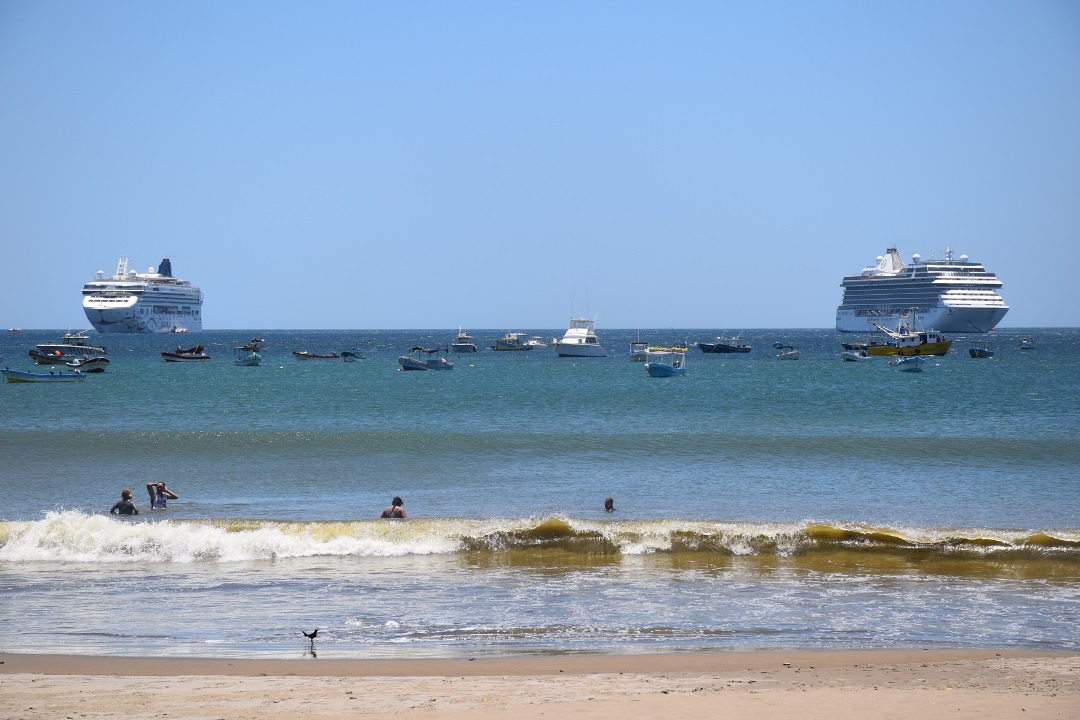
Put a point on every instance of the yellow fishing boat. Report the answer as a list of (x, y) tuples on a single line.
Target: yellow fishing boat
[(907, 341)]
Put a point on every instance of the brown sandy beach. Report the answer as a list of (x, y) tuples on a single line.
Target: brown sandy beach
[(834, 684)]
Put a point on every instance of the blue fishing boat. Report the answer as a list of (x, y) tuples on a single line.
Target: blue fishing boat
[(421, 358), (22, 376), (665, 363)]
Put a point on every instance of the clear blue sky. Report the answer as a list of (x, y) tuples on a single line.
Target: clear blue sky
[(505, 164)]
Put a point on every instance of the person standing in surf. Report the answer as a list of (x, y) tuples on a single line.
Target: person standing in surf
[(396, 509), (159, 494)]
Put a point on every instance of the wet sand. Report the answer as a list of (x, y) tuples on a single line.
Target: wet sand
[(833, 684)]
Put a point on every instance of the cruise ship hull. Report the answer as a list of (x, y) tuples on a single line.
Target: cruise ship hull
[(942, 319), (142, 303), (131, 316)]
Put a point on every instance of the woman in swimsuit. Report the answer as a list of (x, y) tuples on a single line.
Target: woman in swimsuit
[(124, 506), (396, 509)]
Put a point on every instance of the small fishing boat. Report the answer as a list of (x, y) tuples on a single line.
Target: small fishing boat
[(854, 356), (421, 358), (249, 354), (90, 364), (908, 341), (1027, 344), (22, 376), (352, 355), (981, 350), (305, 355), (639, 350), (787, 352), (512, 342), (908, 363), (463, 343), (666, 363), (535, 341), (192, 354)]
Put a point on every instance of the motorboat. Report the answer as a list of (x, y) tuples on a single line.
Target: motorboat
[(305, 355), (463, 343), (421, 358), (22, 376), (512, 342), (639, 351), (725, 345), (906, 340), (981, 350), (665, 363), (192, 354), (249, 354), (535, 341), (1027, 344), (352, 355), (787, 352), (579, 340), (854, 356), (908, 363), (90, 364), (73, 346)]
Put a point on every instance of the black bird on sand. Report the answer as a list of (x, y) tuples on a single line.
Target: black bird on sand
[(311, 635)]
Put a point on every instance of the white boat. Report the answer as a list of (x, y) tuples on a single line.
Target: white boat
[(579, 340), (954, 296), (787, 352), (513, 342), (150, 302), (463, 343), (1027, 344), (854, 356), (90, 364), (665, 363), (421, 358), (248, 354), (22, 376), (535, 341), (639, 350), (73, 346), (908, 363)]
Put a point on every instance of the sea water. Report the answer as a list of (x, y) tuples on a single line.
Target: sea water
[(759, 503)]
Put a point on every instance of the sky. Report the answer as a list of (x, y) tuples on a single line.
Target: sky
[(368, 165)]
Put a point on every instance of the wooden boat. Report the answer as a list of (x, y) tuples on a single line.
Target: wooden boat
[(421, 358), (513, 341), (666, 363), (908, 341), (21, 376), (95, 364), (191, 354), (305, 355), (981, 350)]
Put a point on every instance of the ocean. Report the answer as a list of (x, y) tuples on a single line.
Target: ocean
[(759, 504)]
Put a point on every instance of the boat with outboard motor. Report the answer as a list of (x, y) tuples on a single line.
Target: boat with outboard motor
[(90, 364), (422, 358), (192, 354), (22, 376), (666, 363), (908, 363), (305, 355), (725, 345)]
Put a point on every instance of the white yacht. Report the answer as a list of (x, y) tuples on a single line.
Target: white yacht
[(151, 302), (956, 296), (579, 341)]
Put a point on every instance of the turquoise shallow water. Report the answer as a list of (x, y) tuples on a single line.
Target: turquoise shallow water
[(759, 503)]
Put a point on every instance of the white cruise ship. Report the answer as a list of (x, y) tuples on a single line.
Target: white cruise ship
[(949, 295), (132, 302)]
